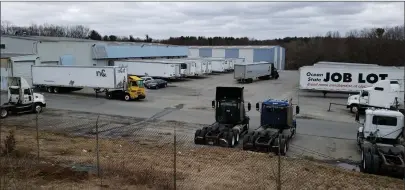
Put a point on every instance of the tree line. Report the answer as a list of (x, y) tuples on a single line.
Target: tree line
[(383, 46)]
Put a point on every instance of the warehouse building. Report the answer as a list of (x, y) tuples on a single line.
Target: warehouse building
[(275, 54), (71, 51)]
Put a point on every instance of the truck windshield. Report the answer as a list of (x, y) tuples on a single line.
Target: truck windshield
[(140, 83), (385, 120), (14, 91)]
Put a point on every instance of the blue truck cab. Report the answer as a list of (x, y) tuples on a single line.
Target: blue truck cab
[(277, 127)]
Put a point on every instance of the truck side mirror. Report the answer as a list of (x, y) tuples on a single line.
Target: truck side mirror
[(213, 104), (249, 106), (297, 110), (257, 106), (357, 116)]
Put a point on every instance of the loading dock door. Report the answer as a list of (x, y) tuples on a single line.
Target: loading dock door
[(23, 69)]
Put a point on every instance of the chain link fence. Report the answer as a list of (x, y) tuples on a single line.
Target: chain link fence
[(87, 151)]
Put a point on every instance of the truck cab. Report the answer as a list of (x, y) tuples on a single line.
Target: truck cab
[(277, 127), (383, 94), (21, 98), (380, 139), (134, 89)]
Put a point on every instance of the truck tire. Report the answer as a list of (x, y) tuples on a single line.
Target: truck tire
[(230, 139), (375, 167), (197, 134), (354, 108), (108, 95), (37, 108), (367, 162), (283, 147), (3, 113), (49, 89), (275, 149), (127, 97), (236, 136), (56, 90)]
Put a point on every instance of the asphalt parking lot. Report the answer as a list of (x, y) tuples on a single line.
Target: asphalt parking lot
[(321, 134)]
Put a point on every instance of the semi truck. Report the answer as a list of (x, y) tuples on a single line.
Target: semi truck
[(113, 80), (388, 94), (247, 72), (341, 78), (151, 68), (379, 139), (21, 98), (231, 121), (277, 127)]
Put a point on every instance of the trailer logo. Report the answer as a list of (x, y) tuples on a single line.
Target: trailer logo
[(345, 77), (121, 70), (101, 73)]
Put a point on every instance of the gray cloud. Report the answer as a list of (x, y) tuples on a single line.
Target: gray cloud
[(260, 20)]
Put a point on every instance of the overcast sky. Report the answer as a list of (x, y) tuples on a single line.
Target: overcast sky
[(264, 20)]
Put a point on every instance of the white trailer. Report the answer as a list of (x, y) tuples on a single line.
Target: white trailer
[(151, 68), (113, 80), (247, 72), (190, 69), (343, 78), (200, 65), (235, 61)]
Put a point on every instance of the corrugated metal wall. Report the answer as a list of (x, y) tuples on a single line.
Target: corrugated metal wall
[(205, 52), (232, 53), (101, 51), (275, 54)]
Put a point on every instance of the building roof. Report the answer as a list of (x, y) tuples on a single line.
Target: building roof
[(8, 55), (65, 39)]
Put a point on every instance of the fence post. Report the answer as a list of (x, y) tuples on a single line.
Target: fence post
[(97, 150), (37, 128), (279, 165), (174, 158)]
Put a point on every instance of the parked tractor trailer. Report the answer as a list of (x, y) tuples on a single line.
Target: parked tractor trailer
[(247, 72), (380, 139), (113, 80), (277, 127), (342, 78), (231, 121)]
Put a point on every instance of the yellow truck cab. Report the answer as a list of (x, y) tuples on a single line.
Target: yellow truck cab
[(132, 90), (136, 89)]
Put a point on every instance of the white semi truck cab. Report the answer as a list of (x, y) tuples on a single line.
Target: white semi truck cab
[(380, 139), (383, 94), (21, 98)]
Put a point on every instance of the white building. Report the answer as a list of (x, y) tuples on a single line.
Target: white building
[(274, 54)]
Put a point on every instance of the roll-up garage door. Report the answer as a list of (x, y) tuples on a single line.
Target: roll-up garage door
[(23, 69)]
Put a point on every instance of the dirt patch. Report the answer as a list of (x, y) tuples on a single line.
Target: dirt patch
[(149, 164)]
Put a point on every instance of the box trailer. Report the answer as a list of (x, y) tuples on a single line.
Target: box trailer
[(190, 68), (110, 79), (236, 61), (247, 72), (201, 67), (344, 79), (151, 68)]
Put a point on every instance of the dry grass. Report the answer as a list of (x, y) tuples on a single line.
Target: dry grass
[(129, 164)]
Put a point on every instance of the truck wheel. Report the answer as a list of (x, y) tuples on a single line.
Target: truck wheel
[(56, 90), (231, 139), (367, 162), (196, 135), (354, 109), (108, 95), (375, 163), (37, 108), (275, 149), (49, 89), (127, 97), (283, 147), (3, 113), (236, 136)]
